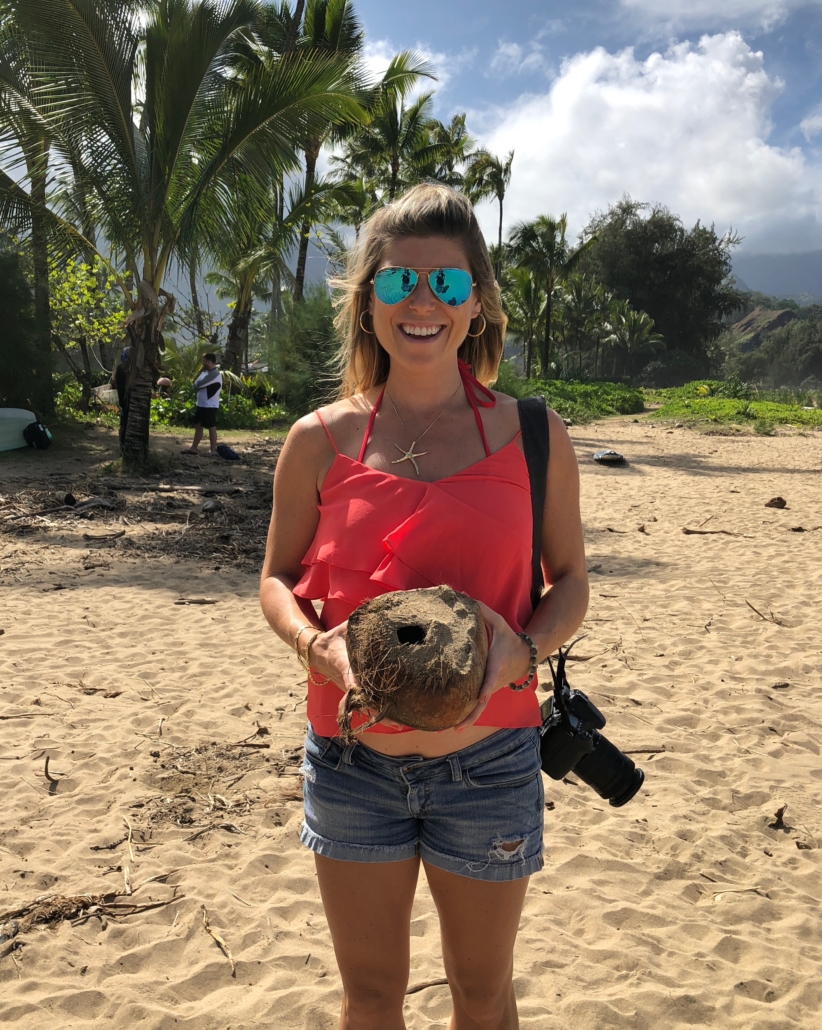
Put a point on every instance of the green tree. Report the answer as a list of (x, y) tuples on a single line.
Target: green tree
[(490, 176), (329, 27), (581, 313), (630, 336), (396, 143), (162, 108), (524, 301), (542, 247), (455, 143), (680, 277), (85, 314)]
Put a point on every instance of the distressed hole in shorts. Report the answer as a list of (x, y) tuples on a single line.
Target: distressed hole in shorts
[(508, 850)]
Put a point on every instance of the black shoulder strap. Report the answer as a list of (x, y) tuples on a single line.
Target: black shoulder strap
[(533, 419)]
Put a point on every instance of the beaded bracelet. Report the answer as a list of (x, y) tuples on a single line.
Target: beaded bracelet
[(532, 668)]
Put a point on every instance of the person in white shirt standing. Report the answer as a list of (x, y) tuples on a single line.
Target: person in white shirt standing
[(208, 385)]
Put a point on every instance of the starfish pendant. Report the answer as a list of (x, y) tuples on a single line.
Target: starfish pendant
[(409, 455)]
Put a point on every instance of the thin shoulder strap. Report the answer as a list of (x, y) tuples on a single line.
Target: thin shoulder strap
[(327, 433), (533, 420), (479, 396), (369, 427)]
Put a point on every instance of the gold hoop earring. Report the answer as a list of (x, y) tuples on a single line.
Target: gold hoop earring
[(369, 331), (484, 327)]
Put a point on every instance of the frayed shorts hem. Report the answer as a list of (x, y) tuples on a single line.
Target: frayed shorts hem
[(494, 872)]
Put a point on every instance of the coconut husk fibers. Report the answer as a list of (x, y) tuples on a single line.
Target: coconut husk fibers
[(418, 657)]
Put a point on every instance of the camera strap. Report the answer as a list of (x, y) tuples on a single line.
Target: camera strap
[(533, 420)]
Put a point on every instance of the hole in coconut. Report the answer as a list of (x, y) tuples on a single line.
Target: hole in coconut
[(410, 634)]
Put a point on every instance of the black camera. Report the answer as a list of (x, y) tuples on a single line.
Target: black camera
[(571, 740)]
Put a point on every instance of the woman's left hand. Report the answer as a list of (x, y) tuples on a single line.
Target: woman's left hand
[(509, 659)]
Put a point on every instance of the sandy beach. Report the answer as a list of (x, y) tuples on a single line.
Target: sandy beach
[(173, 735)]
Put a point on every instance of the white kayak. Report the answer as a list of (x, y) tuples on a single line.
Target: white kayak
[(12, 423)]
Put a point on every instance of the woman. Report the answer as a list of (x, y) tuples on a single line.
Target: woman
[(416, 477)]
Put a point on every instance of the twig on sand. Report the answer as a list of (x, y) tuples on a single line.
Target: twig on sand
[(231, 827), (129, 838), (104, 536), (221, 943), (713, 532), (772, 619), (441, 982), (195, 600), (47, 774)]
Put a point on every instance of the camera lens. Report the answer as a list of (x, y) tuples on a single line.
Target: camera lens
[(611, 773)]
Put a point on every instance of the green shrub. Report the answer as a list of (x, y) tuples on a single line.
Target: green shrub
[(579, 402), (301, 352)]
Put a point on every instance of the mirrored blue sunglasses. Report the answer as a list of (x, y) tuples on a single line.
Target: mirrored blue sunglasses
[(451, 286)]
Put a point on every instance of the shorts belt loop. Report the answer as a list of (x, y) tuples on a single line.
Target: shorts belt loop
[(456, 768), (348, 754)]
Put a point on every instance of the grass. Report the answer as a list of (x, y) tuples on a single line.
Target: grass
[(703, 402)]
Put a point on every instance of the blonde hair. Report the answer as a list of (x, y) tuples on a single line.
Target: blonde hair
[(430, 209)]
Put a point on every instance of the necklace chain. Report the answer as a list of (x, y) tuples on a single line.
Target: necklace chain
[(412, 455), (422, 434)]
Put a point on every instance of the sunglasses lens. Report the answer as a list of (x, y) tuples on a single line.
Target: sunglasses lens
[(391, 285), (452, 286)]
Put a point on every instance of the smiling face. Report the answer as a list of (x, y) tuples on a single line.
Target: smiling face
[(422, 331)]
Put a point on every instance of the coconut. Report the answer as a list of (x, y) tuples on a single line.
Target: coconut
[(418, 657)]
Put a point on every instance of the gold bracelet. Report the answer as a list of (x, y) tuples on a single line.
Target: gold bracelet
[(299, 633), (305, 662)]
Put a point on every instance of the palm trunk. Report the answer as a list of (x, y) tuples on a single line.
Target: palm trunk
[(237, 342), (43, 397), (294, 27), (546, 343), (143, 362), (395, 174), (195, 302), (498, 269), (312, 151)]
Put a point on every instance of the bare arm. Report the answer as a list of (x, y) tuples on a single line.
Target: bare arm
[(564, 603), (305, 458)]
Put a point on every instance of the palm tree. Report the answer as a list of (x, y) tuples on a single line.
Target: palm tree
[(396, 142), (456, 144), (542, 247), (489, 176), (329, 27), (251, 247), (583, 303), (161, 107), (524, 301), (630, 335)]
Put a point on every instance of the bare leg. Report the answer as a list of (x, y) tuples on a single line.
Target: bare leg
[(195, 443), (368, 907), (212, 439), (479, 922)]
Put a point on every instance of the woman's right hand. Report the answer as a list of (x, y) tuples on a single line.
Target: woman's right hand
[(328, 655)]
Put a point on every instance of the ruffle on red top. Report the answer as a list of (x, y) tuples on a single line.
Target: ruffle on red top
[(378, 533)]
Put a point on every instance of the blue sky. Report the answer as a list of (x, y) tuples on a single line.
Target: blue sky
[(713, 107)]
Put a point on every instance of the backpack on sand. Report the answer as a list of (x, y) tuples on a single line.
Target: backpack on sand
[(36, 435)]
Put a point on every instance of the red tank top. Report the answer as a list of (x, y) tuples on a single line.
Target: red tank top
[(379, 532)]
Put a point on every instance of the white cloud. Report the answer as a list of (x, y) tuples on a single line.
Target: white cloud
[(687, 128), (513, 59), (762, 13), (811, 124)]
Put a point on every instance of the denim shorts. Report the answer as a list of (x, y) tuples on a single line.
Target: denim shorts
[(456, 811)]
